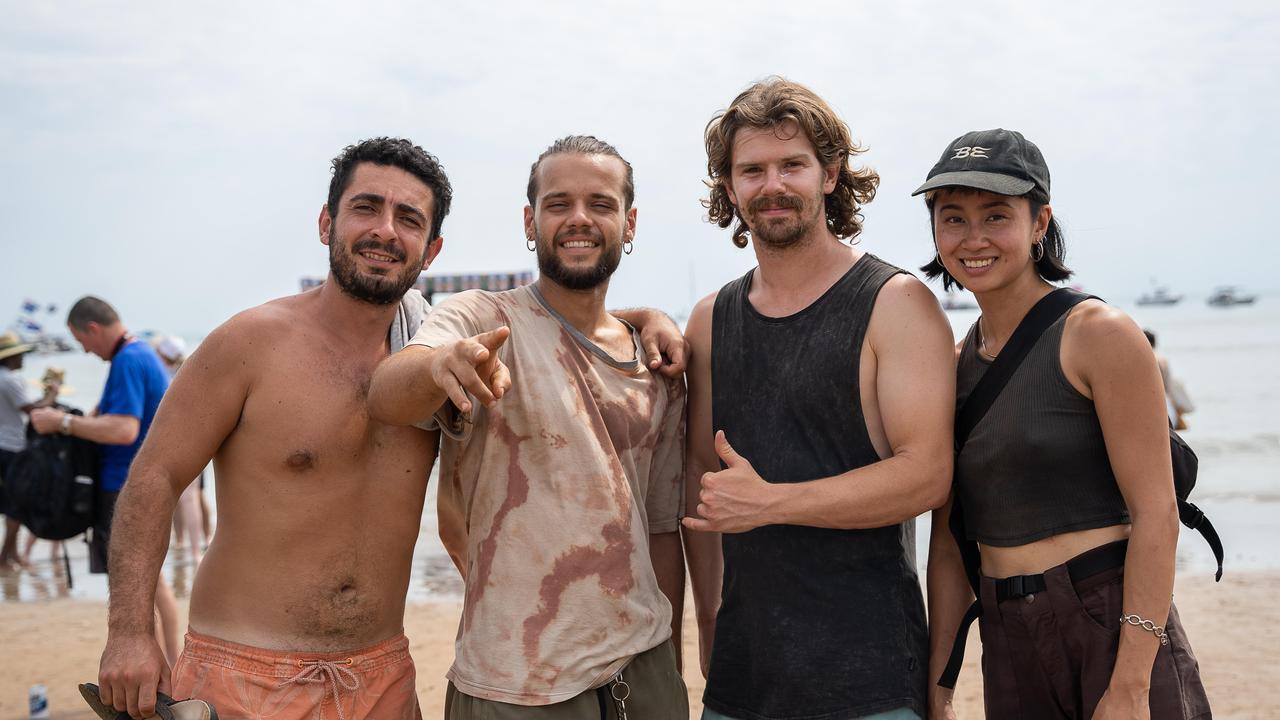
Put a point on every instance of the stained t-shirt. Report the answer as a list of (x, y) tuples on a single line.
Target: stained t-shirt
[(135, 384), (547, 500)]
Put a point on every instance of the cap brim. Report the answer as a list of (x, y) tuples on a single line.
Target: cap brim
[(991, 182)]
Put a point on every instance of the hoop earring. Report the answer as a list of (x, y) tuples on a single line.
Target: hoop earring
[(626, 246), (1037, 245), (937, 257), (529, 243)]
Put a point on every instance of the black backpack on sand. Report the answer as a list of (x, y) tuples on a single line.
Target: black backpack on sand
[(51, 484)]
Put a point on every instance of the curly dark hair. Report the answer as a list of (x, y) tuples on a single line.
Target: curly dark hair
[(400, 153), (771, 104)]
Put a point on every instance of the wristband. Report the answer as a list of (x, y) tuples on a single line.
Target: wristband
[(66, 423)]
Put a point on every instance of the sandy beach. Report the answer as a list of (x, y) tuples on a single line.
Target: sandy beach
[(57, 642)]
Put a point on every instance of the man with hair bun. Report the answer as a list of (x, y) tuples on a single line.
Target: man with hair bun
[(820, 403)]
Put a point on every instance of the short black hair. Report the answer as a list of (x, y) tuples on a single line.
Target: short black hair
[(91, 309), (1051, 265), (582, 145), (400, 153)]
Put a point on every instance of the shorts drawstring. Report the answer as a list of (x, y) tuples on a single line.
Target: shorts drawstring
[(338, 675)]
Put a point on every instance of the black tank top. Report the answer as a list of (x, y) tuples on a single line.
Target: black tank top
[(814, 622), (1036, 465)]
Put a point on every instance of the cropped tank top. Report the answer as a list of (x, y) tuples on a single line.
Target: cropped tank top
[(1036, 465)]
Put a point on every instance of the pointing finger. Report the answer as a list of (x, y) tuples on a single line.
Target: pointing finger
[(494, 338)]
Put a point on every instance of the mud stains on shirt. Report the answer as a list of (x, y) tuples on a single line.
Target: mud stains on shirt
[(547, 502)]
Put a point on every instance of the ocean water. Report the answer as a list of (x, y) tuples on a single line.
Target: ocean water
[(1229, 360)]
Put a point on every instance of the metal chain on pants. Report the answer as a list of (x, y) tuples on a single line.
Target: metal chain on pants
[(620, 691)]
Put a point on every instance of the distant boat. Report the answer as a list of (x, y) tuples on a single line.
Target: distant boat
[(1159, 296), (956, 301), (1227, 296)]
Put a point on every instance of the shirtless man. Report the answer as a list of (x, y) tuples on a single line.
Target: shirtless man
[(299, 602), (821, 417), (563, 475)]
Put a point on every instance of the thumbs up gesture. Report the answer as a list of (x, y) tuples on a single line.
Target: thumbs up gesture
[(471, 365), (735, 499)]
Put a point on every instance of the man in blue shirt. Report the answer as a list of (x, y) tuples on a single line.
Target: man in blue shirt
[(135, 384)]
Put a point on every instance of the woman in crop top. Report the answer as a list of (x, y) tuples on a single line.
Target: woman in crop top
[(1066, 483)]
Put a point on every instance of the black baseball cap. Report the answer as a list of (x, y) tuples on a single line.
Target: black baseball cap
[(999, 161)]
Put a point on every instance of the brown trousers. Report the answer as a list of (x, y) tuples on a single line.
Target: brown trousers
[(1050, 655)]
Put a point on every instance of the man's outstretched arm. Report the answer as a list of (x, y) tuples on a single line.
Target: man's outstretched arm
[(200, 409), (915, 387), (411, 385)]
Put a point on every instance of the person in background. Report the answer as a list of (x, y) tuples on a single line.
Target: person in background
[(1065, 484), (135, 384), (1177, 402), (16, 400), (188, 522)]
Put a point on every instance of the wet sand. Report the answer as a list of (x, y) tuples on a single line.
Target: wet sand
[(57, 642)]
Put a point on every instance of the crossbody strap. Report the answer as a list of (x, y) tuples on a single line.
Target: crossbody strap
[(1044, 313), (1038, 319)]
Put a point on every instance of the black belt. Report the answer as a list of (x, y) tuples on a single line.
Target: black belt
[(1086, 565)]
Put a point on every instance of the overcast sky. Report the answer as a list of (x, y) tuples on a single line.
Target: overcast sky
[(173, 157)]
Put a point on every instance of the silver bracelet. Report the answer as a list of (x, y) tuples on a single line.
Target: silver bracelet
[(1147, 625)]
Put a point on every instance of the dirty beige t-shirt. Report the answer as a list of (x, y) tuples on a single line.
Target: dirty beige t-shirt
[(547, 500)]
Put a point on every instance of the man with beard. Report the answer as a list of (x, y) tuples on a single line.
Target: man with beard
[(562, 478), (298, 606), (820, 400)]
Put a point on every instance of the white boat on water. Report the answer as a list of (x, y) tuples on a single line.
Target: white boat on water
[(1228, 296), (1159, 295)]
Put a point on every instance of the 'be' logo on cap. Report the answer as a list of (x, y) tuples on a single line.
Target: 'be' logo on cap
[(966, 152)]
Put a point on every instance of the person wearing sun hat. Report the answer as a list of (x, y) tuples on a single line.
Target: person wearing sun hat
[(1064, 486), (16, 400)]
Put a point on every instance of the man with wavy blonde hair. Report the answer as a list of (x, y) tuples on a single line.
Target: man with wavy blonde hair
[(788, 108), (819, 423)]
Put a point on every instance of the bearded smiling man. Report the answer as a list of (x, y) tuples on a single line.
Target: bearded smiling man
[(298, 607), (821, 390), (562, 473)]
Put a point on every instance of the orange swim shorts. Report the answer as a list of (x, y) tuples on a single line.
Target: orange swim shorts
[(248, 682)]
